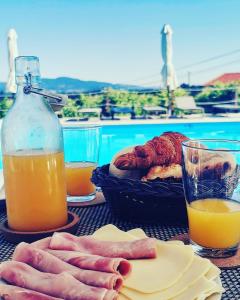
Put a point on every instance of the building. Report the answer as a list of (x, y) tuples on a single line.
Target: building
[(225, 78)]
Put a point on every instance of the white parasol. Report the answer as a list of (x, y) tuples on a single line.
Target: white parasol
[(12, 54), (168, 72)]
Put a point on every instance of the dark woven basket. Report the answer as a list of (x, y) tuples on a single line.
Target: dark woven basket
[(157, 201)]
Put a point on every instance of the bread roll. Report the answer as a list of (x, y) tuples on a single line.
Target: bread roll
[(132, 174)]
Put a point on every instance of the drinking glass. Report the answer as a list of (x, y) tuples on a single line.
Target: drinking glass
[(211, 175), (81, 147)]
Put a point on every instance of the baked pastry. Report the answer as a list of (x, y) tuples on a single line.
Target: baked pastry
[(133, 174), (164, 172), (163, 150), (208, 164)]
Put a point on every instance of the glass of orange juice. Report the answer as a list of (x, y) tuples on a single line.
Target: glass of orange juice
[(81, 148), (211, 173)]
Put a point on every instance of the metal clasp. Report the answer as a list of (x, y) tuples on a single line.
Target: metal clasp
[(28, 89)]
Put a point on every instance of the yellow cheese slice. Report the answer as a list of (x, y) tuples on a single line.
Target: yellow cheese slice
[(169, 282), (138, 232), (198, 290), (152, 275), (122, 297), (214, 296), (213, 272), (112, 233), (198, 268)]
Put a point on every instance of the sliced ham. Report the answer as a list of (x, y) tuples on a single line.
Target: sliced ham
[(143, 248), (42, 244), (63, 285), (11, 292), (46, 262), (94, 262)]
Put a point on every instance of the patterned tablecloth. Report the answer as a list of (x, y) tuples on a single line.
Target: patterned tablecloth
[(94, 217)]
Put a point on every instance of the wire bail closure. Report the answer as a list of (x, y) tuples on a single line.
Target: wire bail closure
[(28, 89)]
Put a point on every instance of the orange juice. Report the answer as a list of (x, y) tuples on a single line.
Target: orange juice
[(214, 223), (78, 178), (35, 190)]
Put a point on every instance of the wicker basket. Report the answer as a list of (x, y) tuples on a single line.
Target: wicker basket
[(157, 201)]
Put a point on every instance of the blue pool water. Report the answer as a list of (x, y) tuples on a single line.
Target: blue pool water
[(116, 137)]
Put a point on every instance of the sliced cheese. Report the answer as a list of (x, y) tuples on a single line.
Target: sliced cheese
[(214, 296), (152, 275), (112, 233), (215, 293), (198, 290), (176, 273), (138, 232), (213, 272), (198, 268), (122, 297)]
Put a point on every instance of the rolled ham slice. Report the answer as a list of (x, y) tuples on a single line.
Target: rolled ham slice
[(46, 262), (42, 244), (94, 262), (11, 292), (142, 248), (63, 286)]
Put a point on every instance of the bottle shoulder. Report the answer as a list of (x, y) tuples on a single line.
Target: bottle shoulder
[(25, 128)]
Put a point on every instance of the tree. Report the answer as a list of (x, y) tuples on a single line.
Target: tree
[(5, 105), (223, 92), (119, 98), (70, 109)]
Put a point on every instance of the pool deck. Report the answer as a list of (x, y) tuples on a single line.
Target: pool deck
[(92, 122)]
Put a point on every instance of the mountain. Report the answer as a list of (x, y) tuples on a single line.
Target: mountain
[(68, 85)]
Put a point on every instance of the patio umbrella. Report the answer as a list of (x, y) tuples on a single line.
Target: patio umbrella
[(12, 54), (168, 73)]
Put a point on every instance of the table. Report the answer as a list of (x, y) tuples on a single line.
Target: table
[(224, 108), (94, 217), (147, 110), (90, 111)]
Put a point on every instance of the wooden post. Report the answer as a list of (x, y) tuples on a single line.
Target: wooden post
[(170, 102)]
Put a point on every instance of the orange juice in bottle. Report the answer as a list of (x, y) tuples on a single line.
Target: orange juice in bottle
[(35, 190), (33, 160)]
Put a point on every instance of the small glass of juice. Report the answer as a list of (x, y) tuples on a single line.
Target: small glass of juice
[(211, 173), (81, 149)]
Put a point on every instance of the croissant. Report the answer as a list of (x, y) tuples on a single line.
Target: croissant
[(164, 172), (162, 150)]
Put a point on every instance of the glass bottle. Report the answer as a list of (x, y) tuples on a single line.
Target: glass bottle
[(33, 159)]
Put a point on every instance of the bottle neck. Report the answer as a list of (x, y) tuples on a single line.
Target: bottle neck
[(26, 81), (35, 82)]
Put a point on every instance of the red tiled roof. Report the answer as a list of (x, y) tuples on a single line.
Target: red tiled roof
[(225, 78)]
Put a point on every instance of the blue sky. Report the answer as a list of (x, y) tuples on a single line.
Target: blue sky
[(119, 41)]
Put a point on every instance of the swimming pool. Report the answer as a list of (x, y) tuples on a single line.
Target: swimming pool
[(116, 137)]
